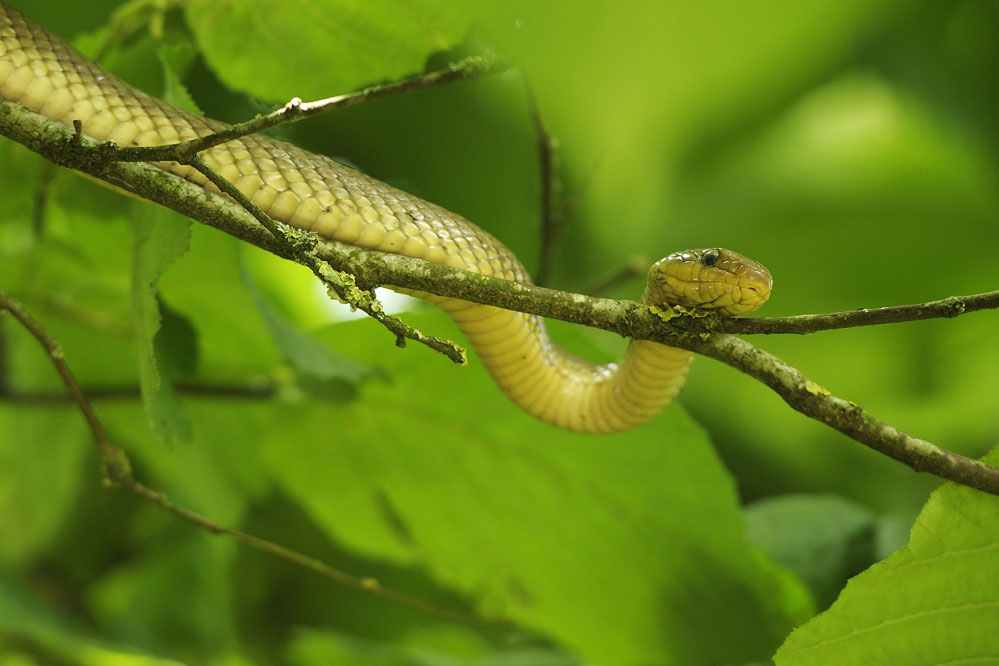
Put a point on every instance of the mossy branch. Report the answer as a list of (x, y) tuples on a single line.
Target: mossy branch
[(705, 335)]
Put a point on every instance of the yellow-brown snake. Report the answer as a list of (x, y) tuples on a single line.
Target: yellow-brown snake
[(40, 71)]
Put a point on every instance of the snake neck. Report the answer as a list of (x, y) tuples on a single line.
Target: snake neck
[(560, 388)]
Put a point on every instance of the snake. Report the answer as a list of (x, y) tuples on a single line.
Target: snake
[(313, 192)]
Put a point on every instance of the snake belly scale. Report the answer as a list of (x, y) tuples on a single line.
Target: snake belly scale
[(40, 71)]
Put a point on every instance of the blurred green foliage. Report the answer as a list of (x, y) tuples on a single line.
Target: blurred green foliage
[(852, 147)]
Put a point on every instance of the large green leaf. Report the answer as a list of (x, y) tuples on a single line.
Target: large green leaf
[(935, 601), (318, 48), (626, 548)]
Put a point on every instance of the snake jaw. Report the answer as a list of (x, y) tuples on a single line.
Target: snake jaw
[(710, 279)]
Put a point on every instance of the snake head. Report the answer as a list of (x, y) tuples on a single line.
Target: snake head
[(710, 279)]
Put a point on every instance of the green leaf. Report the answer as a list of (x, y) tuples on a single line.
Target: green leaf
[(319, 48), (626, 548), (823, 539), (161, 238), (935, 601)]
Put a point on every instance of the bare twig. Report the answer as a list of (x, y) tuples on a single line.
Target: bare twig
[(302, 245), (472, 67), (552, 218), (627, 318), (116, 465), (366, 584), (943, 308), (118, 472), (556, 209), (250, 391)]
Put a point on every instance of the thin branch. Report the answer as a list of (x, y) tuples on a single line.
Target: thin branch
[(250, 391), (302, 245), (950, 307), (74, 150), (556, 209), (54, 141), (118, 472), (472, 67), (116, 465), (552, 218), (299, 245), (366, 584), (628, 318), (813, 400)]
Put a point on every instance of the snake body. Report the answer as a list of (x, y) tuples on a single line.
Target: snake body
[(40, 71)]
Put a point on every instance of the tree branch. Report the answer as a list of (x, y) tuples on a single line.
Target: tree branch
[(118, 472), (627, 318), (262, 390), (552, 218), (556, 209), (116, 465), (814, 401), (950, 307), (472, 67), (303, 245)]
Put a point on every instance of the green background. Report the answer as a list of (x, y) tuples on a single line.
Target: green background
[(852, 147)]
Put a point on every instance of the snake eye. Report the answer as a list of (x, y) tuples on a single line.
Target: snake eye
[(710, 257)]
